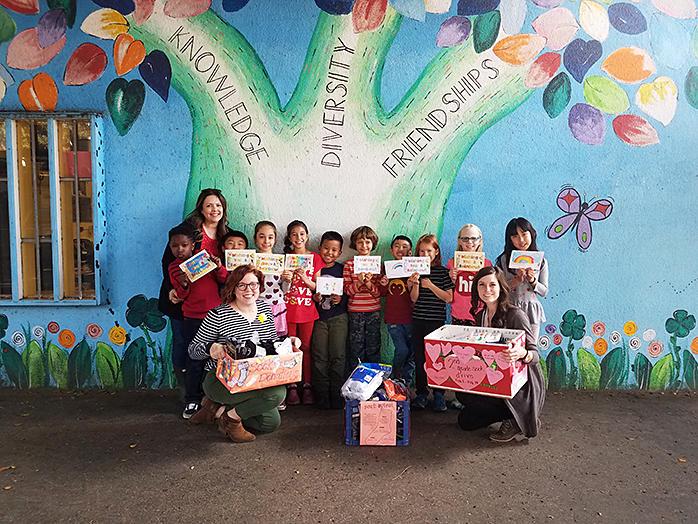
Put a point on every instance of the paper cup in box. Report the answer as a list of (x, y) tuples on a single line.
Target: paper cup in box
[(248, 374), (471, 359)]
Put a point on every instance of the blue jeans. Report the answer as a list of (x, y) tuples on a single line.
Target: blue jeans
[(403, 359)]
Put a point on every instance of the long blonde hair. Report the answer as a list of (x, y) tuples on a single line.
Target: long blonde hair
[(470, 226)]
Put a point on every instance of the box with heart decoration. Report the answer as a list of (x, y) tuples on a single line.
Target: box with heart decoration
[(471, 359)]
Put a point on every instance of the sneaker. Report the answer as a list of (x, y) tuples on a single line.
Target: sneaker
[(419, 402), (454, 403), (190, 409), (439, 404), (508, 431), (282, 406), (308, 398), (292, 398)]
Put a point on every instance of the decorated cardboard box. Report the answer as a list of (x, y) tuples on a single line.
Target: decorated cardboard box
[(470, 359), (248, 374), (377, 423)]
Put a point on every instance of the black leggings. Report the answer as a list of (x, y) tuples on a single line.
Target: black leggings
[(195, 368), (481, 411)]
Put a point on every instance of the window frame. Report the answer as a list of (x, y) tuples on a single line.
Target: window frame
[(98, 207)]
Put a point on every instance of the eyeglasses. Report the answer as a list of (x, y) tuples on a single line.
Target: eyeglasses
[(469, 239), (244, 287)]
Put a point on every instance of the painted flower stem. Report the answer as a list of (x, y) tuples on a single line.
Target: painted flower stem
[(574, 372), (676, 358), (154, 355)]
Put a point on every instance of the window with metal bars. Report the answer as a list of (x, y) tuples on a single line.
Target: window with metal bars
[(51, 185)]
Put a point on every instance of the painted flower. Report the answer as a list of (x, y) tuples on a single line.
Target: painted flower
[(630, 328), (573, 325), (66, 338), (681, 323), (600, 347), (3, 325), (544, 342), (598, 328), (38, 332), (694, 346), (615, 337), (587, 342), (18, 338), (94, 330), (635, 343), (53, 327), (655, 348), (550, 329), (262, 318), (557, 339), (117, 335), (143, 312), (649, 334)]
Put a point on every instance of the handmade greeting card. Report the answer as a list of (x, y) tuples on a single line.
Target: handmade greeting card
[(421, 265), (395, 269), (468, 260), (197, 266), (526, 259), (367, 264), (329, 285), (294, 262), (238, 257), (269, 263)]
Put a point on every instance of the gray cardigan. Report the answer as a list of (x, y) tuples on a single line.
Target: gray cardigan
[(526, 295)]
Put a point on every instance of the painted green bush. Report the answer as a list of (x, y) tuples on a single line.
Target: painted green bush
[(58, 365), (615, 368), (589, 370), (642, 368)]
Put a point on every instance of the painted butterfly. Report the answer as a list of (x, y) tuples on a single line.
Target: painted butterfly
[(578, 214)]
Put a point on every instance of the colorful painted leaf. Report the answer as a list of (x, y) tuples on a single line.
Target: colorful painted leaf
[(558, 26), (105, 23), (544, 368), (668, 40), (453, 31), (134, 364), (51, 27), (125, 101), (513, 15), (25, 7), (144, 8), (58, 365), (69, 8), (635, 130), (80, 365), (557, 369), (24, 51), (542, 70), (658, 99), (519, 49), (593, 18), (38, 94), (547, 3), (661, 373), (437, 6), (14, 367), (615, 367), (368, 15), (336, 7), (629, 65), (691, 86), (108, 365), (85, 65), (128, 53), (156, 71), (684, 9), (231, 6), (33, 359), (627, 18), (690, 370), (587, 124), (589, 369), (642, 368), (125, 7), (413, 9), (606, 95), (486, 30), (186, 8), (8, 28), (557, 95), (580, 56), (476, 7)]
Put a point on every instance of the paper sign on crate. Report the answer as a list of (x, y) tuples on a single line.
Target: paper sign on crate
[(471, 359), (293, 262), (238, 257), (468, 260), (395, 269), (248, 374), (269, 263), (421, 265), (329, 285), (197, 266), (378, 424), (525, 259), (367, 264)]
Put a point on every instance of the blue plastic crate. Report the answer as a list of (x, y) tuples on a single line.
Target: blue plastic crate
[(352, 419)]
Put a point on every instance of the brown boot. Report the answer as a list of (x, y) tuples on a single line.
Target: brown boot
[(207, 413), (234, 429)]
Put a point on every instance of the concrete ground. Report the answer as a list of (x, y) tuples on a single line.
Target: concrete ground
[(128, 457)]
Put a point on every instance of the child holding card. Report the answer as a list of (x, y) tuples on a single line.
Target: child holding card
[(364, 303), (398, 313), (233, 239), (526, 284), (470, 241), (430, 294), (274, 286), (329, 343), (301, 313)]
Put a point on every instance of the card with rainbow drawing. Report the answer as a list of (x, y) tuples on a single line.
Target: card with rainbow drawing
[(525, 259)]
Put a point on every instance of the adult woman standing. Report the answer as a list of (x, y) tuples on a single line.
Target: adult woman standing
[(209, 218), (520, 416), (241, 315)]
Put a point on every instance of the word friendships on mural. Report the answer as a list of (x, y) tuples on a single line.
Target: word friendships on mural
[(206, 63), (452, 101)]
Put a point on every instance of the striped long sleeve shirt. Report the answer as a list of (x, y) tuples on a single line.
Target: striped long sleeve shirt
[(361, 300)]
